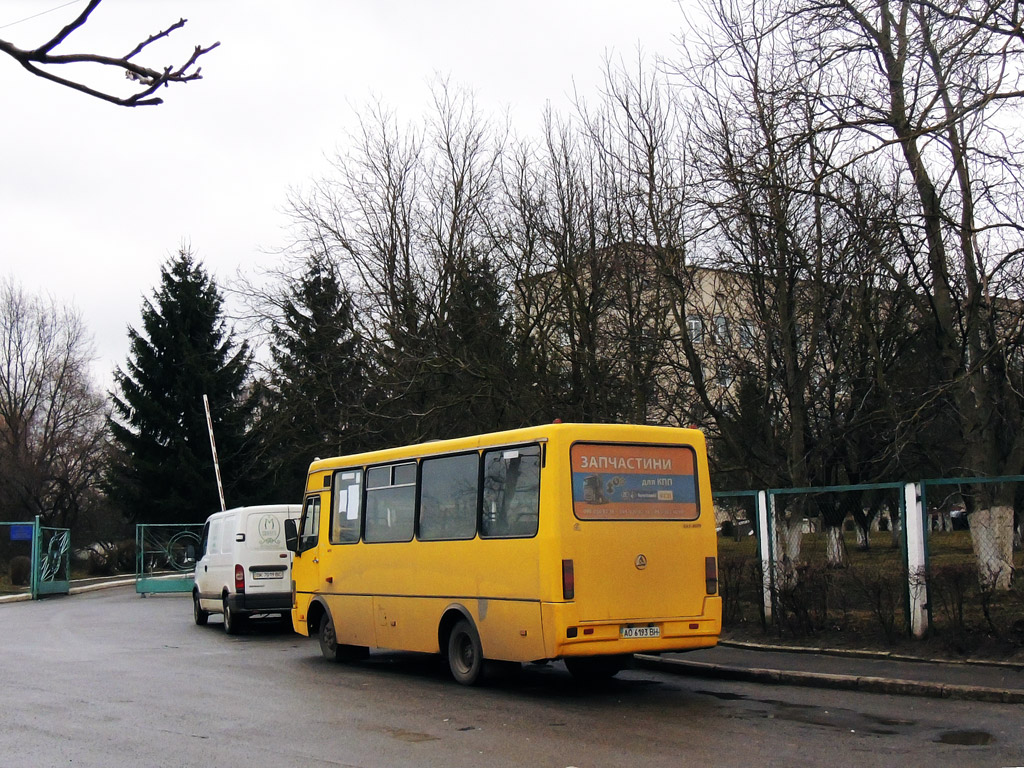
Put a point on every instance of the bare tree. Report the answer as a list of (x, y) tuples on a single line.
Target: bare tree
[(43, 60), (52, 422), (931, 86)]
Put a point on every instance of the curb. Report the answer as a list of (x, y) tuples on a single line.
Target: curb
[(868, 654), (862, 684), (19, 598)]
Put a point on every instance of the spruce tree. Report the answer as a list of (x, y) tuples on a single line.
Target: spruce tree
[(162, 468), (313, 404)]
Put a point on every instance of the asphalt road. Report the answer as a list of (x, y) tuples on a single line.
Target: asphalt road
[(111, 679)]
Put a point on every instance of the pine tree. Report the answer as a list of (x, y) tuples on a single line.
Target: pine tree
[(162, 468), (314, 401), (461, 377)]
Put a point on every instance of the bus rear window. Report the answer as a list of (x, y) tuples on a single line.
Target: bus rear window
[(634, 482)]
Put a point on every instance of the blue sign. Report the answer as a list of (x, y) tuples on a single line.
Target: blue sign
[(21, 532)]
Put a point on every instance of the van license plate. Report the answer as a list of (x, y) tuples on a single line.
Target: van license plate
[(632, 632), (268, 574)]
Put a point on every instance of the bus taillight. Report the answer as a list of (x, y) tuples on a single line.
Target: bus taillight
[(568, 580), (239, 578), (711, 574)]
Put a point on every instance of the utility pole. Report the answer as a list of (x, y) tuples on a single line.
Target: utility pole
[(213, 449)]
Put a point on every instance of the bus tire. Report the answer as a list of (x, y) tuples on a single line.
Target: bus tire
[(198, 613), (332, 650), (592, 669), (465, 654)]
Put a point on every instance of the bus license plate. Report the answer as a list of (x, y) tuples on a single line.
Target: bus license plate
[(631, 632), (268, 574)]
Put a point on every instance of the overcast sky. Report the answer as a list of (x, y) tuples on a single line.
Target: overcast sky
[(94, 198)]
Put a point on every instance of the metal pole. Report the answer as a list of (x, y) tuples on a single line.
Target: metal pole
[(213, 449), (764, 522), (33, 584), (914, 536)]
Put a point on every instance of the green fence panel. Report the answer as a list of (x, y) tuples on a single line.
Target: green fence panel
[(16, 548), (35, 559), (838, 560), (974, 561), (740, 577), (166, 557), (52, 572)]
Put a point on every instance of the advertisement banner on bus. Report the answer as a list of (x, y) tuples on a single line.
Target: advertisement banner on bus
[(633, 482)]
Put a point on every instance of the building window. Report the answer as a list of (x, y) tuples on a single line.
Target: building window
[(748, 334), (721, 330), (695, 329)]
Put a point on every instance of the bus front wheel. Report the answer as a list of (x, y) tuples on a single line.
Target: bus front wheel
[(330, 648), (465, 655)]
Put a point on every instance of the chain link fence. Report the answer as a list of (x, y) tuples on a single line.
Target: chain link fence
[(873, 565), (740, 575), (839, 562), (975, 585)]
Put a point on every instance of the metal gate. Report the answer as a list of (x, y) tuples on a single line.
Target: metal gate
[(166, 557), (36, 559)]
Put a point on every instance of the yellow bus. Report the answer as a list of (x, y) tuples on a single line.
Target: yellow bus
[(581, 542)]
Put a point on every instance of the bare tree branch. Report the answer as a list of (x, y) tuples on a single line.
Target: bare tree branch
[(147, 79)]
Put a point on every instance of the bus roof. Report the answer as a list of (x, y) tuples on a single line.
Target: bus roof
[(539, 433)]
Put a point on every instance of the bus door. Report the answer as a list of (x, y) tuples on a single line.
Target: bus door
[(306, 566)]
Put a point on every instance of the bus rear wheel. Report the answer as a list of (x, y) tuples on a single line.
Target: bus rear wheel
[(465, 654), (592, 669)]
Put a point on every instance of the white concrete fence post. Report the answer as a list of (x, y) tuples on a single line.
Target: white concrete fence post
[(765, 523), (917, 587)]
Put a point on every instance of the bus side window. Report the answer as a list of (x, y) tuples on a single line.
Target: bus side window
[(390, 503), (449, 490), (346, 514), (511, 498), (309, 533)]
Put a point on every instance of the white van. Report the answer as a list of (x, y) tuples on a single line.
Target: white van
[(243, 566)]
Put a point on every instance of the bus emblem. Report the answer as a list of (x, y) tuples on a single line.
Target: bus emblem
[(640, 562)]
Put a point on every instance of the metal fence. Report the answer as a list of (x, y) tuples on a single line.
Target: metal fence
[(973, 529), (35, 559), (166, 557), (883, 562)]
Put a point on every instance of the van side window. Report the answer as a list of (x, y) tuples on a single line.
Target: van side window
[(227, 537), (347, 510), (213, 545), (390, 502), (309, 531), (511, 498), (205, 541)]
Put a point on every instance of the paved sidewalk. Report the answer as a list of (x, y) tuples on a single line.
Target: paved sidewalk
[(875, 673)]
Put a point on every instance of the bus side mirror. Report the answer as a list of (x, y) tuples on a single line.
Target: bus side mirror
[(291, 536)]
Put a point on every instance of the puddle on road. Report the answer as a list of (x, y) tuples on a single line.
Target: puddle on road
[(965, 738), (835, 718)]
